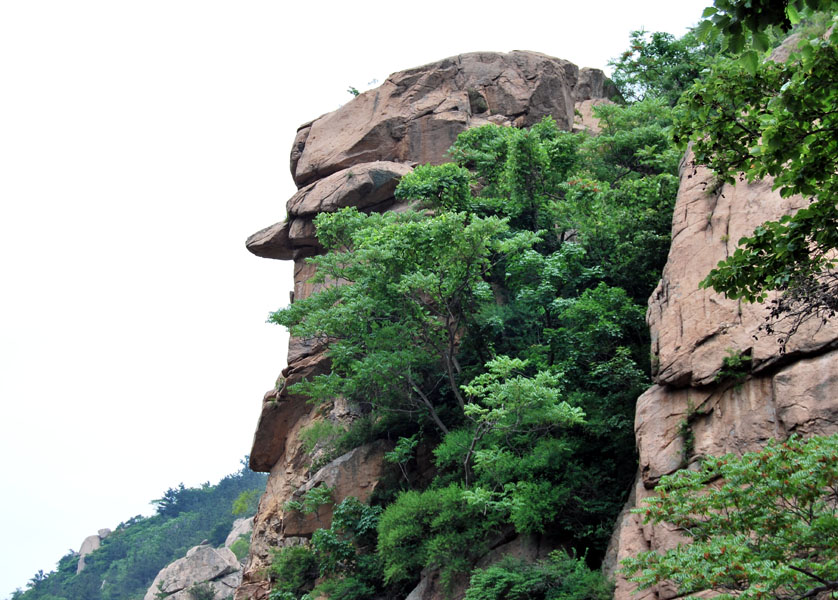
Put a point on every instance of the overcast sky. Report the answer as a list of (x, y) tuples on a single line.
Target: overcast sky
[(140, 144)]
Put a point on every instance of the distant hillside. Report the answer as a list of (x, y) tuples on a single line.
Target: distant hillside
[(129, 558)]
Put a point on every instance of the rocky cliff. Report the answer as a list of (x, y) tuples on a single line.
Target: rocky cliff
[(355, 156), (693, 410)]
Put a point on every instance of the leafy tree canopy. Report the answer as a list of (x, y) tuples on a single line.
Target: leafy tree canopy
[(659, 65), (765, 527)]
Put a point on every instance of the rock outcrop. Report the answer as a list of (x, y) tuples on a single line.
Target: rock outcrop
[(240, 527), (693, 330), (91, 543), (355, 156), (203, 565)]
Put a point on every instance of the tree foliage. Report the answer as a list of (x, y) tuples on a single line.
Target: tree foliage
[(497, 322), (412, 284), (659, 65), (561, 576), (766, 527)]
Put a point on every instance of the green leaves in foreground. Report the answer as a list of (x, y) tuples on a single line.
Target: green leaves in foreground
[(769, 528)]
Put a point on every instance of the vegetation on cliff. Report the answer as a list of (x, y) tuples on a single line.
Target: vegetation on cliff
[(126, 564), (764, 525), (751, 118), (500, 324)]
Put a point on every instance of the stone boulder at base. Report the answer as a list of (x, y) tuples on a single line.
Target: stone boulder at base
[(216, 567)]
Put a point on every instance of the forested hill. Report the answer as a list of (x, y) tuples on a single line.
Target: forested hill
[(130, 557)]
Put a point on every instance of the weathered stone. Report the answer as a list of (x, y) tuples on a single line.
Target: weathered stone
[(289, 473), (593, 84), (412, 118), (103, 533), (240, 527), (364, 186), (725, 418), (693, 329), (299, 144), (280, 412), (415, 115), (584, 119), (356, 473), (272, 242), (90, 543), (217, 566)]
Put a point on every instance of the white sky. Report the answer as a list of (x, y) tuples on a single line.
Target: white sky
[(140, 144)]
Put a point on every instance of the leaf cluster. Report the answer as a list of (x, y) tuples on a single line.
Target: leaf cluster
[(766, 526), (562, 576)]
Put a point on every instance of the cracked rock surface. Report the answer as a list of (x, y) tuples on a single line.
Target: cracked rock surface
[(693, 330)]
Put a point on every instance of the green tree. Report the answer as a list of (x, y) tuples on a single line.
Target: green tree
[(412, 282), (659, 65), (559, 577), (764, 525)]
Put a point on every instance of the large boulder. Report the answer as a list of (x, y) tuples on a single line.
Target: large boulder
[(415, 115), (356, 473), (203, 565), (363, 186), (91, 543), (355, 156), (240, 527)]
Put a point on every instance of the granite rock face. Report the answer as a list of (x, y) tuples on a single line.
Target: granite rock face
[(415, 115), (693, 330), (203, 565), (91, 543), (355, 156), (240, 527)]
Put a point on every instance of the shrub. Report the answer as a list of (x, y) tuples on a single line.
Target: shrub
[(561, 577), (241, 546), (292, 570), (436, 529), (202, 591)]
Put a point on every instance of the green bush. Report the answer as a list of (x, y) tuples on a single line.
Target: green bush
[(246, 503), (560, 577), (241, 546), (292, 571), (437, 529), (350, 587), (202, 591)]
